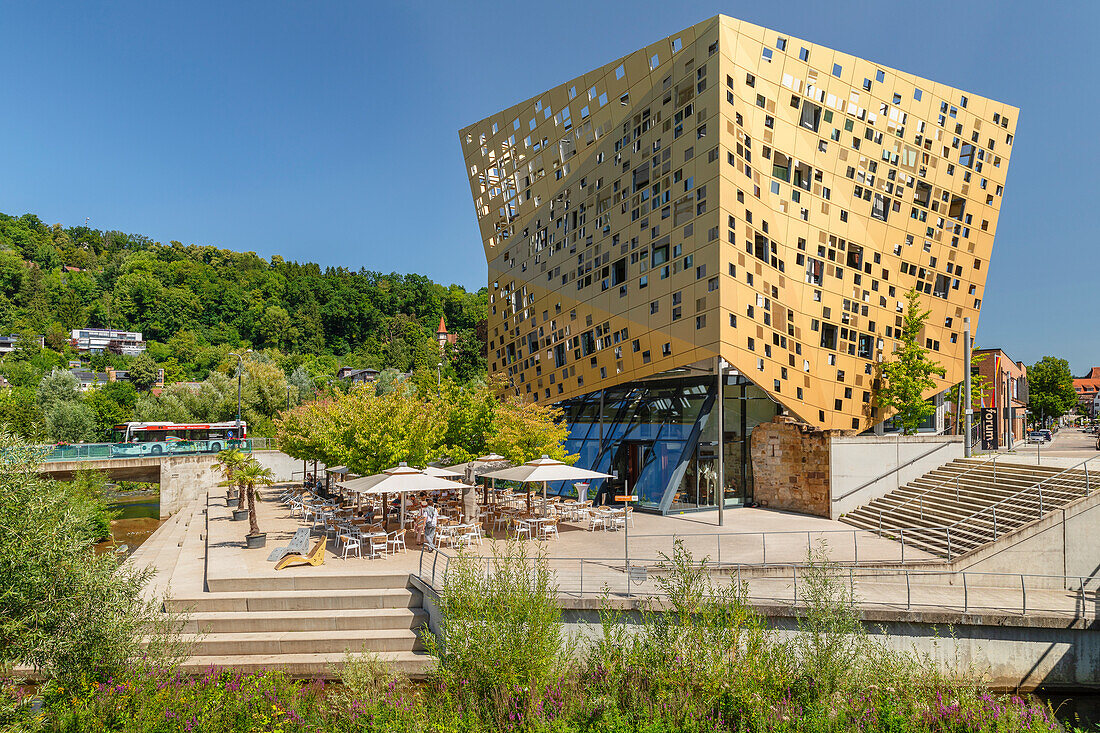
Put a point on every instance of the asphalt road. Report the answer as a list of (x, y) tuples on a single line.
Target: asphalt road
[(1070, 443)]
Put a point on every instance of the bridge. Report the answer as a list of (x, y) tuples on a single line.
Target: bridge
[(99, 451), (183, 475)]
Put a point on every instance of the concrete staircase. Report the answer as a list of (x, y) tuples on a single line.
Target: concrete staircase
[(306, 631), (161, 551), (303, 624), (969, 503)]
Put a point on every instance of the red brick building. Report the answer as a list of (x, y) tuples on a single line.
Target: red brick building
[(1006, 392)]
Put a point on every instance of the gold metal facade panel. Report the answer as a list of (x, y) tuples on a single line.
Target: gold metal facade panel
[(731, 190)]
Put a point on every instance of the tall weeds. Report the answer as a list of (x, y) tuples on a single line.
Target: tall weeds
[(501, 645)]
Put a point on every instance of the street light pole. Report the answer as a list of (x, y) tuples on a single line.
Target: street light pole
[(720, 368), (439, 378), (240, 361), (968, 449)]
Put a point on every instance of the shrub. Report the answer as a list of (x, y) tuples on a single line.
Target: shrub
[(502, 639), (64, 610)]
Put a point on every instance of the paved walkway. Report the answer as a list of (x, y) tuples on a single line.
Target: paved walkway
[(1069, 448), (588, 564)]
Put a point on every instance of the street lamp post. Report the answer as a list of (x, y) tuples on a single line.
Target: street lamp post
[(240, 361), (439, 377), (968, 448)]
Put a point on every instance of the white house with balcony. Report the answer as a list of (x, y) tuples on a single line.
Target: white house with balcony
[(97, 340)]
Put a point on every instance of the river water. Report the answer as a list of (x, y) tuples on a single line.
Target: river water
[(138, 517)]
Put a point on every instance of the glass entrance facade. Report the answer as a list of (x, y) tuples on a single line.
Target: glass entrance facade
[(661, 437)]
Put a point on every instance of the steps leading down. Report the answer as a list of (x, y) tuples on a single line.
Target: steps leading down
[(303, 623), (968, 503)]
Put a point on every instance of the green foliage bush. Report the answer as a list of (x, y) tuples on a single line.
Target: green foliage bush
[(63, 609), (701, 661)]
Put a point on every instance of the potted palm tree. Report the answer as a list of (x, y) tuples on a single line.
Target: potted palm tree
[(229, 463), (251, 475)]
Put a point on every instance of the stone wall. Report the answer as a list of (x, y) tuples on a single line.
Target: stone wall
[(790, 467)]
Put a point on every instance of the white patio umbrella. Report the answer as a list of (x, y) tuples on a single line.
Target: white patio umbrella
[(543, 470), (401, 479), (442, 472), (334, 471)]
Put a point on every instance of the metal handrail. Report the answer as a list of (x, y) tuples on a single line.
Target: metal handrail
[(954, 479), (1072, 584), (1038, 484), (895, 469)]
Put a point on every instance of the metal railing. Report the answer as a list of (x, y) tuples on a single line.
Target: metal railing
[(876, 548), (1002, 517), (920, 497), (104, 451), (901, 589), (1039, 490)]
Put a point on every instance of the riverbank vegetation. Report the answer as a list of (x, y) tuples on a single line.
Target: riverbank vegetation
[(66, 612), (705, 661)]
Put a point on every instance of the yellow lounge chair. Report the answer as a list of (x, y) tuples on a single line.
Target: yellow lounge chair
[(316, 556)]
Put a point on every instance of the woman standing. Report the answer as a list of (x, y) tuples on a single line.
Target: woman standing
[(430, 518)]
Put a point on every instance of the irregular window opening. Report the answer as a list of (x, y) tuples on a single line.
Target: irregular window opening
[(966, 155), (958, 207), (923, 193), (811, 116), (760, 247), (660, 255), (855, 256), (781, 166), (879, 209), (865, 346), (802, 175)]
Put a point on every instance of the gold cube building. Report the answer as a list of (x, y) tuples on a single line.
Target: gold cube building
[(728, 193)]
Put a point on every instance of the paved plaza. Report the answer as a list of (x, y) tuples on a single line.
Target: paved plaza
[(589, 564)]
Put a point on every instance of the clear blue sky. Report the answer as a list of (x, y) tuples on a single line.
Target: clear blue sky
[(327, 132)]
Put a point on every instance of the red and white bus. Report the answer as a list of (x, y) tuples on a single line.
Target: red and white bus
[(155, 438)]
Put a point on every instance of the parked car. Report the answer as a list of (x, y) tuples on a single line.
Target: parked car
[(1035, 437), (1047, 435)]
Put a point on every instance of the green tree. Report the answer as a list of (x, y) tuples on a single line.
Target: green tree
[(274, 327), (70, 421), (143, 372), (65, 610), (111, 404), (907, 380), (371, 432), (302, 383), (11, 273), (56, 387), (19, 413), (1050, 388)]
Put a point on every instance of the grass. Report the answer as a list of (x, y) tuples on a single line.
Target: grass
[(702, 661)]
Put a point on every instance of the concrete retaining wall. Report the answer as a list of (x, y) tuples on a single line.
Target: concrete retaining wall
[(1006, 652), (285, 467), (865, 467), (183, 479), (1061, 543)]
